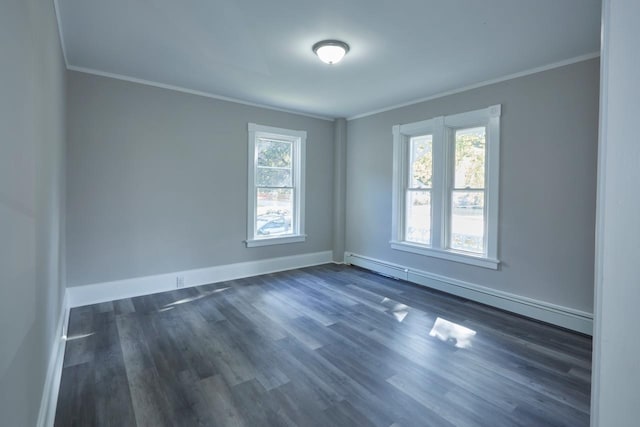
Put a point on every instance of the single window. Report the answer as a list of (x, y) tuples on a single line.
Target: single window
[(276, 186), (445, 189)]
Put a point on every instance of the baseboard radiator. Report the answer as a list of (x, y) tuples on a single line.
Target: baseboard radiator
[(564, 317)]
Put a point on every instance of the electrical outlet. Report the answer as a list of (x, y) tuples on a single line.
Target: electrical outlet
[(179, 281)]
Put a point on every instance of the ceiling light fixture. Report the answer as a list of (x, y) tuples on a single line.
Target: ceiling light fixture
[(331, 51)]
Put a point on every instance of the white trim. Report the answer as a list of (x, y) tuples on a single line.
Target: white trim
[(447, 254), (49, 401), (128, 288), (56, 10), (419, 128), (554, 314), (276, 240), (298, 140), (191, 91), (600, 213), (390, 269), (397, 190), (489, 82), (442, 129), (274, 132), (401, 147), (300, 173), (490, 119), (492, 184), (439, 210)]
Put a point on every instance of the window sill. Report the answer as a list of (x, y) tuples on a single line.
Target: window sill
[(267, 241), (464, 258)]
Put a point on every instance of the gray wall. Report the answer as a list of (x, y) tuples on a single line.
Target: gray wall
[(32, 138), (549, 129), (157, 181), (616, 371)]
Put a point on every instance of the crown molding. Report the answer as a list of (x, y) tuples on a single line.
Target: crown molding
[(528, 72), (191, 91)]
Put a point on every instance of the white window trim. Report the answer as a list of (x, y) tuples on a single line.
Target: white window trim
[(299, 139), (440, 128)]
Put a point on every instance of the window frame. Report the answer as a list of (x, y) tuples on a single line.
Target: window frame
[(412, 189), (298, 140), (443, 129)]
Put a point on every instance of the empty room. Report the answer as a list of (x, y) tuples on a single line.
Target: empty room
[(360, 213)]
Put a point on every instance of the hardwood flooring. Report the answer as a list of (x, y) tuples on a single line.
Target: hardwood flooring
[(321, 346)]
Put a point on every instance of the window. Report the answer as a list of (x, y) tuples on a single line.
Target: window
[(445, 187), (276, 186)]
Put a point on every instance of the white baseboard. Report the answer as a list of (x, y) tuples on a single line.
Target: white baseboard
[(49, 401), (565, 317), (128, 288)]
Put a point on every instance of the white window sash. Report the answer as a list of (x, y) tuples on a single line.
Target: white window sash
[(442, 128), (474, 120), (298, 140)]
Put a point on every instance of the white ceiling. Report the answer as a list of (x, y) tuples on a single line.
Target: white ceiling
[(259, 51)]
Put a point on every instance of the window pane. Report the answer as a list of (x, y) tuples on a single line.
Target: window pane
[(274, 212), (467, 221), (273, 177), (421, 161), (469, 158), (273, 153), (418, 219)]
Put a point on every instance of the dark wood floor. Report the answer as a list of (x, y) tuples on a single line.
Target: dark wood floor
[(320, 346)]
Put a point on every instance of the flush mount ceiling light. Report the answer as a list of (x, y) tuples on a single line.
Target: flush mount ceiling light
[(331, 51)]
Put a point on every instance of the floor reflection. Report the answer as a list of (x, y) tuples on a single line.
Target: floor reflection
[(197, 297), (399, 311), (452, 333), (76, 337)]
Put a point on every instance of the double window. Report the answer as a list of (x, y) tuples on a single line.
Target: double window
[(445, 187), (276, 186)]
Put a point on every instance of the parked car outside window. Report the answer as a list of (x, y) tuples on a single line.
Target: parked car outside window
[(272, 224)]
